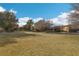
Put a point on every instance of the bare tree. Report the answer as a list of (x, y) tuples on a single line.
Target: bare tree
[(74, 17), (41, 25)]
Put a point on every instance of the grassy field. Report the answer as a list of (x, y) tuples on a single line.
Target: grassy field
[(38, 44)]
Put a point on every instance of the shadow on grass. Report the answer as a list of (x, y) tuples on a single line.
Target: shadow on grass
[(10, 38), (6, 41)]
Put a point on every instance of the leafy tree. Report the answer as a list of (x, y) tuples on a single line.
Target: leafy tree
[(7, 20), (29, 24)]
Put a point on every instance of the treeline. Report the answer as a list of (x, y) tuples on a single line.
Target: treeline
[(8, 23), (41, 25)]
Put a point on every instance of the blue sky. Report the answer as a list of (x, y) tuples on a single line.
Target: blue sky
[(35, 10), (58, 12)]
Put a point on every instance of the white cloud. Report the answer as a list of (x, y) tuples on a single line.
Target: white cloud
[(2, 9), (62, 19), (23, 21), (37, 19), (11, 10), (64, 15), (72, 11)]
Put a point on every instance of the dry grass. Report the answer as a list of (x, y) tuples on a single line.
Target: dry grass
[(38, 44)]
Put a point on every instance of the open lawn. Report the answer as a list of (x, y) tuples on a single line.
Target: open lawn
[(38, 44)]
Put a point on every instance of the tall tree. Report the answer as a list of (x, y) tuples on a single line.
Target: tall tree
[(74, 16), (7, 20), (41, 25), (29, 24)]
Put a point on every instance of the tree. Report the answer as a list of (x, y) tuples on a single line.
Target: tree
[(29, 24), (41, 25), (7, 20), (74, 17)]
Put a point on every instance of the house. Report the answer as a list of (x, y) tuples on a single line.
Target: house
[(64, 28), (69, 28)]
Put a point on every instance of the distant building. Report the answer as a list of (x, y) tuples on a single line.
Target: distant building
[(65, 28)]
